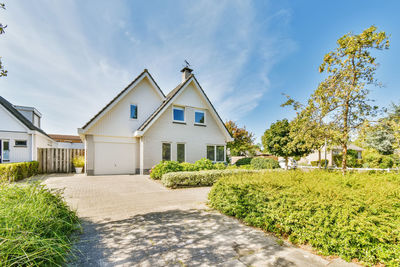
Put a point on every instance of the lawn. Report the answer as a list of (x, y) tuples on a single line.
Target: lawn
[(356, 216), (35, 226)]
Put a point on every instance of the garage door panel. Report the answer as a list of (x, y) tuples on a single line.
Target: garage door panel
[(114, 158)]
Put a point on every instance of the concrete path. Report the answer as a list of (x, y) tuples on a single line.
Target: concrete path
[(130, 220)]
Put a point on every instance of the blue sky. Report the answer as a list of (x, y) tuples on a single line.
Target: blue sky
[(69, 58)]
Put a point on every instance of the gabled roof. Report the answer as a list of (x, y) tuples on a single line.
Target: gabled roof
[(169, 99), (144, 72), (7, 105)]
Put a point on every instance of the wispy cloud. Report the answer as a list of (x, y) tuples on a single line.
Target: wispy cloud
[(69, 59)]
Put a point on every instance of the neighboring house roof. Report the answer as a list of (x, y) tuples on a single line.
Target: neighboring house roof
[(7, 105), (66, 138), (144, 72)]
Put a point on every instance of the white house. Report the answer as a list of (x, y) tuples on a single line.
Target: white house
[(141, 126), (20, 133), (330, 152)]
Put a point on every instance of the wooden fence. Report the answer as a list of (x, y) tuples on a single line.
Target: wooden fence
[(52, 160)]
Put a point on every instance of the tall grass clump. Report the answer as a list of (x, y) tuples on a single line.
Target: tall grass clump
[(35, 226), (356, 216)]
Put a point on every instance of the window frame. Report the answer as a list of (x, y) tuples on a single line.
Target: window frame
[(215, 152), (130, 111), (162, 151), (184, 152), (205, 119), (3, 159), (20, 140), (184, 114)]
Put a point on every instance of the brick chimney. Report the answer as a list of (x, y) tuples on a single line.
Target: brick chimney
[(186, 71)]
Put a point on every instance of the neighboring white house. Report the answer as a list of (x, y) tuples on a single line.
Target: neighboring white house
[(20, 133), (67, 141), (141, 126), (330, 152)]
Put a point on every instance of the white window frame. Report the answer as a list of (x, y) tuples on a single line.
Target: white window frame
[(137, 111), (215, 152), (2, 150), (184, 154), (170, 150), (184, 114), (205, 118), (20, 140)]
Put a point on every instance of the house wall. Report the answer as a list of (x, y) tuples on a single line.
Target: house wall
[(17, 154), (195, 137)]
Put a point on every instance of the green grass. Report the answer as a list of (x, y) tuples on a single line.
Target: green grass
[(35, 226), (355, 216)]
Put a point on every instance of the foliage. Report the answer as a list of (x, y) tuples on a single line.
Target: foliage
[(13, 172), (35, 226), (165, 167), (277, 141), (243, 140), (323, 163), (3, 72), (219, 166), (79, 161), (352, 216), (188, 167), (243, 161), (373, 159), (204, 164), (264, 163), (198, 178), (352, 159), (380, 139)]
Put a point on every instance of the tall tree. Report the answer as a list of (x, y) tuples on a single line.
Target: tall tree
[(243, 140), (3, 72), (278, 141), (343, 96)]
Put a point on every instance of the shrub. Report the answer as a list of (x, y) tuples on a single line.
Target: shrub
[(219, 166), (198, 178), (188, 167), (323, 162), (17, 171), (79, 161), (35, 226), (353, 216), (352, 159), (243, 161), (386, 163), (165, 167), (264, 163), (204, 164)]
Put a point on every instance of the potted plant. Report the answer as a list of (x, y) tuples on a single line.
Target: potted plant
[(78, 162)]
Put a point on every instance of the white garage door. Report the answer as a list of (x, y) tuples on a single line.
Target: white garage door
[(114, 158)]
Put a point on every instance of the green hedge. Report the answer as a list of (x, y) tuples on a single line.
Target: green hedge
[(243, 161), (35, 226), (198, 178), (352, 216), (17, 171), (323, 162), (264, 163)]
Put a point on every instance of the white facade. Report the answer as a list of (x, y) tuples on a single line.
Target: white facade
[(117, 144)]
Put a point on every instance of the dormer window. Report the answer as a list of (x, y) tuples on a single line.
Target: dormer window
[(199, 117), (178, 114), (134, 111)]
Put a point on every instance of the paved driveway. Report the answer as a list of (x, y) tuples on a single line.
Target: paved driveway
[(130, 220)]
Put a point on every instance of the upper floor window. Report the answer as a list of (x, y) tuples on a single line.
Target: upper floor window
[(199, 117), (178, 114), (20, 143), (134, 111)]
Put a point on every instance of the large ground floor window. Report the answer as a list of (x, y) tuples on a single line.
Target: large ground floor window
[(180, 155), (216, 153), (166, 151)]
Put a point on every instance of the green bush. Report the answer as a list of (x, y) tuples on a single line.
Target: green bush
[(352, 159), (386, 163), (323, 162), (165, 167), (188, 167), (219, 166), (264, 163), (17, 171), (204, 164), (79, 161), (35, 226), (353, 216), (372, 159), (243, 161), (198, 178)]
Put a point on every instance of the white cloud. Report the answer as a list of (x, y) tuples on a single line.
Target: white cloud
[(69, 60)]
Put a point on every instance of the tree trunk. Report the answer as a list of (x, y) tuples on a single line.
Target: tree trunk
[(319, 158), (344, 160), (345, 136)]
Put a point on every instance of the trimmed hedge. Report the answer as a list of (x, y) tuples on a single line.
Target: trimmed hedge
[(243, 161), (264, 163), (323, 162), (13, 172), (198, 178), (352, 216)]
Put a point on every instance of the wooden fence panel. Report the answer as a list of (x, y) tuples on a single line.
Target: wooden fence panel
[(57, 160)]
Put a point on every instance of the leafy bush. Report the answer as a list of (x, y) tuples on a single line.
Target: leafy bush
[(219, 166), (17, 171), (264, 163), (204, 164), (35, 226), (353, 216), (188, 167), (352, 159), (79, 161), (198, 178), (323, 162), (243, 161), (372, 159), (386, 162), (165, 167)]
